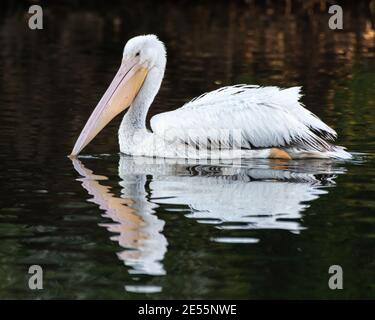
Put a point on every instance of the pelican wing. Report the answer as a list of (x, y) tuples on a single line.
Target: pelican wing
[(262, 117)]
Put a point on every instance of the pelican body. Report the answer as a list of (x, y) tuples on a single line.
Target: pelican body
[(240, 121)]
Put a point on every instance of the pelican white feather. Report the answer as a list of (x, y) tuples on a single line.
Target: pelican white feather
[(266, 117)]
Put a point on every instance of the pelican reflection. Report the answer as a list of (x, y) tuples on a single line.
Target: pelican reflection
[(132, 220), (256, 195)]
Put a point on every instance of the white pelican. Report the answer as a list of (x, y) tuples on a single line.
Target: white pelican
[(241, 121)]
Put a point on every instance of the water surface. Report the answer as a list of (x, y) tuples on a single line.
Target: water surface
[(111, 226)]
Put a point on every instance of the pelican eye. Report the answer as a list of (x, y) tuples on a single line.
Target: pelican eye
[(137, 54)]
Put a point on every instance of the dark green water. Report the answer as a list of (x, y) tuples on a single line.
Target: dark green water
[(108, 227)]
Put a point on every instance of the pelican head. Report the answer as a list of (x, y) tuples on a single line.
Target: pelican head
[(141, 55)]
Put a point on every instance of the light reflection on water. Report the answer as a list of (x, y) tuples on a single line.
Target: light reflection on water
[(261, 194)]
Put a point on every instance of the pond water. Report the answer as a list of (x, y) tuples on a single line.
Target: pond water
[(111, 226)]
